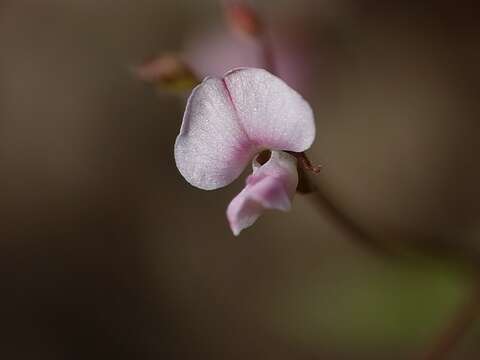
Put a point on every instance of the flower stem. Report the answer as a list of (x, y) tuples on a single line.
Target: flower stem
[(457, 328), (346, 223)]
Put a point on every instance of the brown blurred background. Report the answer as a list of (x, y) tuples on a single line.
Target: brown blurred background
[(106, 252)]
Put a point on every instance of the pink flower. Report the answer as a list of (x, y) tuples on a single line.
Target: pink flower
[(227, 123), (213, 52), (271, 186)]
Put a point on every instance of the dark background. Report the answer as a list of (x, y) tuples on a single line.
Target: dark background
[(106, 252)]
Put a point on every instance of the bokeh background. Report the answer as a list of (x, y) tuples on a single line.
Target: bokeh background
[(106, 252)]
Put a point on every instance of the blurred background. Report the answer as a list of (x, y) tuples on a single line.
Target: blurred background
[(106, 252)]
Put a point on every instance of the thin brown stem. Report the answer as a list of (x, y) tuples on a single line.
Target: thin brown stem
[(346, 223), (457, 328)]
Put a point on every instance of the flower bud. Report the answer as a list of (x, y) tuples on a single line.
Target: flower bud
[(243, 19), (168, 72)]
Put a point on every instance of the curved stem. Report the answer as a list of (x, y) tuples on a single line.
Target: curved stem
[(457, 328), (346, 223)]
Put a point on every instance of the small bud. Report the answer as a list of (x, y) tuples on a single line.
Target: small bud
[(243, 19), (168, 72)]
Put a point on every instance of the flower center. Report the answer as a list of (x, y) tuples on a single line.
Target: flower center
[(263, 157)]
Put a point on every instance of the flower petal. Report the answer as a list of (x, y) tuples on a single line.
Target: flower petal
[(272, 114), (227, 121), (215, 51), (271, 186), (212, 148)]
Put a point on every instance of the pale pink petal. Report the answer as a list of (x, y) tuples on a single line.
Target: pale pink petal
[(227, 121), (214, 51), (271, 186), (272, 114), (212, 148)]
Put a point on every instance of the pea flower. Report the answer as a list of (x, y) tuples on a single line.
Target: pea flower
[(234, 120), (212, 52)]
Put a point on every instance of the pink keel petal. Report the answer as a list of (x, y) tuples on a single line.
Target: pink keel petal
[(271, 186)]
